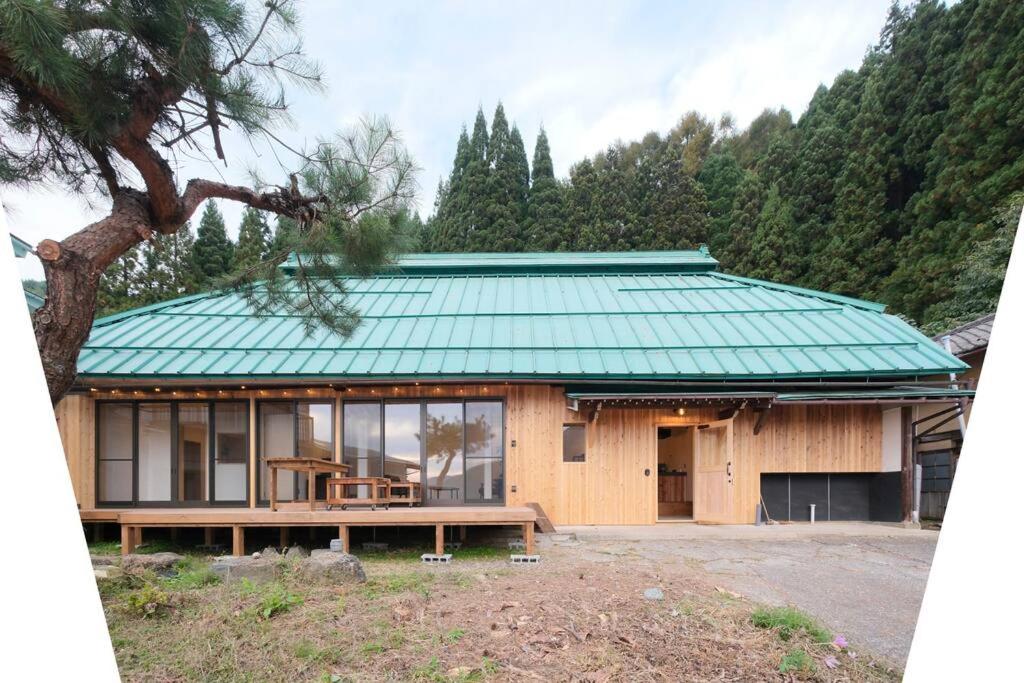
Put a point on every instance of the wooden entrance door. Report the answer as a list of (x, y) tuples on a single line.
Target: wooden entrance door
[(713, 473)]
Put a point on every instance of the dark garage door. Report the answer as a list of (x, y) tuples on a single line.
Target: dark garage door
[(873, 496)]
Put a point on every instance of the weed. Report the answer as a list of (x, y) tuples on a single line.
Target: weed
[(431, 671), (274, 599), (146, 601), (309, 652), (787, 622), (453, 636), (372, 647), (105, 548), (796, 660)]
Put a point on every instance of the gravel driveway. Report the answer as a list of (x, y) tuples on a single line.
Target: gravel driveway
[(865, 581)]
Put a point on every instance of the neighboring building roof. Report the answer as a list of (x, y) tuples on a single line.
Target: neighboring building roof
[(970, 337), (564, 316), (21, 250)]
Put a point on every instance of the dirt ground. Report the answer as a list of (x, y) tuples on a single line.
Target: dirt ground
[(865, 581), (580, 615)]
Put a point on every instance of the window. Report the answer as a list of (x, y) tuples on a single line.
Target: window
[(574, 443), (114, 450), (164, 453), (290, 429), (485, 468)]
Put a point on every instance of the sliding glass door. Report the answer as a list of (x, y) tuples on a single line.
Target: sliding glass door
[(165, 453), (453, 448), (293, 429)]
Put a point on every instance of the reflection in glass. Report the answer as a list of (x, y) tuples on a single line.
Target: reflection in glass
[(229, 451), (361, 429), (444, 448), (402, 441), (115, 452), (154, 452), (484, 466), (315, 437), (277, 440)]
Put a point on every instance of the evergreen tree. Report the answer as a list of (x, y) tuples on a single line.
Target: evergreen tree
[(776, 251), (720, 177), (500, 228), (253, 239), (214, 252), (546, 226), (736, 254)]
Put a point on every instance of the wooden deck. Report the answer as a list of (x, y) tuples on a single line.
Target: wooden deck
[(133, 520)]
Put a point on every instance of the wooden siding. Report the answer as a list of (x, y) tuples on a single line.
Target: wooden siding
[(611, 486)]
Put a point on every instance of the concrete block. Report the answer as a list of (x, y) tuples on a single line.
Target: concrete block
[(525, 559), (431, 558)]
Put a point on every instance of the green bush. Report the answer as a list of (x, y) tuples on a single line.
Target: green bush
[(273, 599), (146, 601)]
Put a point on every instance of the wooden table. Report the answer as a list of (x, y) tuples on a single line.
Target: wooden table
[(380, 491), (413, 492), (453, 491), (311, 466)]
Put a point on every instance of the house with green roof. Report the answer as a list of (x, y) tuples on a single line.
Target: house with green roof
[(599, 388)]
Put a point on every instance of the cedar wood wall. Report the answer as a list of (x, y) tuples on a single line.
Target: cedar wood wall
[(610, 487)]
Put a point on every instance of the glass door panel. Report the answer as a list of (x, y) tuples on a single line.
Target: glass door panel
[(277, 440), (115, 453), (193, 456), (445, 455), (230, 446), (402, 441), (361, 424), (155, 452), (485, 471)]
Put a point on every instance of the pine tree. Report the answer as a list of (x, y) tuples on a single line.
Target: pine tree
[(253, 239), (736, 254), (720, 177), (776, 251), (546, 226), (499, 231), (214, 252)]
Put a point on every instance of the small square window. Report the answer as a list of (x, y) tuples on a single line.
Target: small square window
[(574, 443)]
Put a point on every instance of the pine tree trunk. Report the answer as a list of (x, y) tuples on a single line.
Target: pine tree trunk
[(73, 268)]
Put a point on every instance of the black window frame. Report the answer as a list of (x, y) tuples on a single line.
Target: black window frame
[(210, 450)]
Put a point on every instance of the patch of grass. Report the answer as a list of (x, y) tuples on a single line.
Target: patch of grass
[(105, 548), (192, 573), (274, 599), (147, 601), (431, 671), (788, 622), (796, 660), (372, 647), (393, 584), (482, 552), (453, 636), (310, 652)]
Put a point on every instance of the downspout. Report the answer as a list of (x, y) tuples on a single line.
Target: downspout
[(953, 385)]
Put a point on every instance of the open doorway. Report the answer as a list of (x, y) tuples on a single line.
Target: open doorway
[(675, 474)]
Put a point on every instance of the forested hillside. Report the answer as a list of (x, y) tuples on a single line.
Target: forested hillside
[(898, 183)]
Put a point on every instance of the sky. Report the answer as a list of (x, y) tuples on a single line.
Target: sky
[(590, 72)]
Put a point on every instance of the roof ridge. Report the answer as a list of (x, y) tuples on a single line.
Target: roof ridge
[(803, 291)]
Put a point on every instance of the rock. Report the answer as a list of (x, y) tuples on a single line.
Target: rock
[(157, 562), (654, 594), (257, 555), (296, 551), (270, 552), (107, 572), (335, 566), (104, 560), (232, 569)]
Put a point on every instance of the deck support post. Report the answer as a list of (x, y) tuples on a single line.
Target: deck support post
[(343, 535), (528, 538), (907, 462), (237, 540), (127, 539), (208, 536), (138, 538), (283, 540), (463, 529), (439, 539)]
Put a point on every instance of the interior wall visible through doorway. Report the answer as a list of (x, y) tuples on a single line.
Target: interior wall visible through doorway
[(675, 472)]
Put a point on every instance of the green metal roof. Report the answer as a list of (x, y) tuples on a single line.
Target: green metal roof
[(636, 316), (21, 247)]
